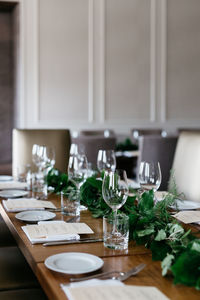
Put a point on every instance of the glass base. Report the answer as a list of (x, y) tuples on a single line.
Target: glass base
[(116, 241)]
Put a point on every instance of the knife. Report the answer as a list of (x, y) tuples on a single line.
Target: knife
[(84, 240)]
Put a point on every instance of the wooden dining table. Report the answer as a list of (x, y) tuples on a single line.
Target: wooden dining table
[(121, 260)]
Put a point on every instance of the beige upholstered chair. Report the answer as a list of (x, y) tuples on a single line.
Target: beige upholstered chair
[(23, 140), (186, 165)]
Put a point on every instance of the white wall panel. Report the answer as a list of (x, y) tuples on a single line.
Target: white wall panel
[(109, 63), (63, 60), (127, 57), (183, 61)]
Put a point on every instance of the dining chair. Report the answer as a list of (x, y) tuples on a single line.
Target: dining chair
[(15, 272), (158, 149), (186, 165), (23, 294), (91, 144), (23, 140), (6, 238)]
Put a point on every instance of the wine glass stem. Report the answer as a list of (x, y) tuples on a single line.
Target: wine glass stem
[(114, 220)]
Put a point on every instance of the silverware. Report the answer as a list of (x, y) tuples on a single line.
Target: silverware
[(83, 240), (118, 275)]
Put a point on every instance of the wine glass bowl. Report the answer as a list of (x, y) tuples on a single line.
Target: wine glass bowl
[(150, 176), (77, 169), (106, 160), (115, 189)]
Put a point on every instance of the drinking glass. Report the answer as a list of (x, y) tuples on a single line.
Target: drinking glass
[(150, 176), (106, 160), (115, 191)]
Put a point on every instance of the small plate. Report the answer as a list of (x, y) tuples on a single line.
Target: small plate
[(35, 216), (12, 193), (73, 263), (186, 205), (5, 178)]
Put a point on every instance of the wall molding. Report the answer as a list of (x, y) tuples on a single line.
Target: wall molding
[(153, 61), (163, 60), (91, 61)]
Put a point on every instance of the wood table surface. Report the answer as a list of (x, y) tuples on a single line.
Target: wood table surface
[(113, 259)]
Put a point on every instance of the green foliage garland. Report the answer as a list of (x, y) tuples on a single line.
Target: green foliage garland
[(150, 224)]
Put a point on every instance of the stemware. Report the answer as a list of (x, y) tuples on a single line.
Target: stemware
[(106, 160), (150, 176), (39, 156), (115, 190), (78, 169), (50, 157)]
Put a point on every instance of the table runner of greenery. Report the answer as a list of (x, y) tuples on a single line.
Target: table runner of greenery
[(150, 224)]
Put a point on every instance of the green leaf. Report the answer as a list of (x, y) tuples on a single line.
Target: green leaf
[(159, 250), (161, 235), (166, 263), (146, 203), (186, 269), (147, 231), (195, 245)]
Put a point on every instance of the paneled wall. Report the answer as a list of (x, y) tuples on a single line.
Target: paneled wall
[(109, 64)]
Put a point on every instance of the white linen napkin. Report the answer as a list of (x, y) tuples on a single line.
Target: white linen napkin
[(22, 204), (88, 283), (7, 185), (50, 237), (110, 289)]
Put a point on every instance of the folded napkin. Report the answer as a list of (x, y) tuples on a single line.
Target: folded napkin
[(22, 204), (7, 185), (188, 216), (112, 289), (50, 231)]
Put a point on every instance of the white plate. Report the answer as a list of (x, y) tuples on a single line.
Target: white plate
[(12, 193), (35, 215), (186, 205), (73, 263), (5, 178)]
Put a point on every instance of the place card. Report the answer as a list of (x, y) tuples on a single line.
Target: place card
[(55, 228), (188, 216), (113, 292)]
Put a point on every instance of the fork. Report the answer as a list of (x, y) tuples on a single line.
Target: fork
[(118, 275)]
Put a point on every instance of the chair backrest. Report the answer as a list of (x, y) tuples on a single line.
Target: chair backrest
[(105, 133), (23, 140), (158, 149), (91, 144), (186, 165)]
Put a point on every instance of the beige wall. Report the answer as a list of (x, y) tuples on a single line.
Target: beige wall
[(109, 63)]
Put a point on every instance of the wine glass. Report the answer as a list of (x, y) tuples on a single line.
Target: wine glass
[(150, 176), (38, 156), (78, 169), (115, 190), (106, 160), (50, 157)]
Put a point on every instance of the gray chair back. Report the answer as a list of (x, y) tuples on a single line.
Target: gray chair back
[(158, 149), (91, 144)]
